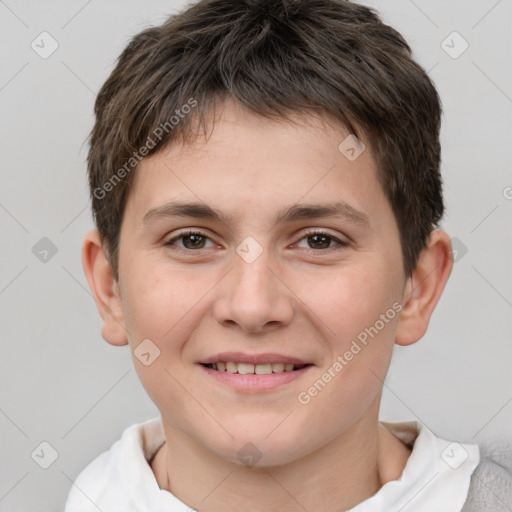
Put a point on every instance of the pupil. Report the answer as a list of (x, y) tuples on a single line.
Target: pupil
[(190, 237), (315, 237)]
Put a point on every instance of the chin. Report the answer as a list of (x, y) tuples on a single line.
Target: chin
[(260, 448)]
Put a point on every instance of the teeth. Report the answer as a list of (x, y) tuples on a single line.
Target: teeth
[(258, 369), (277, 367), (244, 368), (231, 367), (263, 369)]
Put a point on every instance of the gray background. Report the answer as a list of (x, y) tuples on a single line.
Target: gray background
[(61, 383)]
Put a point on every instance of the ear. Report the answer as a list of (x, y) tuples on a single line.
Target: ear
[(424, 287), (104, 288)]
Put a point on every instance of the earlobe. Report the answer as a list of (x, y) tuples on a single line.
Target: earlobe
[(424, 288), (104, 288)]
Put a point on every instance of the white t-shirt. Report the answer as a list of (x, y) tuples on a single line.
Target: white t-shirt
[(435, 479)]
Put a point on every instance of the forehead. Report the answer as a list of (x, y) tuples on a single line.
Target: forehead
[(248, 160)]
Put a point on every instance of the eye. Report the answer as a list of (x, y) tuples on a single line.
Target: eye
[(321, 240), (191, 240), (318, 241)]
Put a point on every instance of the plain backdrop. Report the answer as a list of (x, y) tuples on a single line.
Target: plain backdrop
[(63, 385)]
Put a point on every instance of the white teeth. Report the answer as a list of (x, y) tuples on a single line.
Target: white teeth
[(244, 368), (258, 369), (263, 369), (231, 367)]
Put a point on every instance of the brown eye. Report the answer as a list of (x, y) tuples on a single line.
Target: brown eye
[(191, 240), (319, 240), (194, 241)]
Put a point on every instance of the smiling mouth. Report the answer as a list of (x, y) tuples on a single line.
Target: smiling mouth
[(255, 369)]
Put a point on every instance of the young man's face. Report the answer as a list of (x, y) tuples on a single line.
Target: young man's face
[(249, 287)]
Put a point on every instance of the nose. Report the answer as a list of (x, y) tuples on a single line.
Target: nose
[(253, 297)]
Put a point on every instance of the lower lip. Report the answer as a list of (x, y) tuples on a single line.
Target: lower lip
[(253, 383)]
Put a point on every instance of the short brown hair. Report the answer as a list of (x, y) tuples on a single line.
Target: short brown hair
[(274, 57)]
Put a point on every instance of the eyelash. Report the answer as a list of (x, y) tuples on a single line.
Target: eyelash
[(340, 243)]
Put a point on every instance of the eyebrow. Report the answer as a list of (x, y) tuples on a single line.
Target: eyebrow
[(295, 212)]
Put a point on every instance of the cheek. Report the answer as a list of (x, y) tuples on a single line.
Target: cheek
[(357, 317), (155, 306), (156, 300), (348, 300), (350, 383), (162, 305)]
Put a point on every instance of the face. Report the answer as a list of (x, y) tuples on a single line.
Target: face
[(261, 272)]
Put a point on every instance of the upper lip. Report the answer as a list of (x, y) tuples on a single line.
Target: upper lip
[(239, 357)]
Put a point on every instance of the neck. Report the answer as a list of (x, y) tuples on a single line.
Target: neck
[(343, 473)]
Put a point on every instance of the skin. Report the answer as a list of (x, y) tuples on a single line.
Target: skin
[(303, 296)]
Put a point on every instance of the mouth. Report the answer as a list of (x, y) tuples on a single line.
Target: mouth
[(251, 373), (255, 369)]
